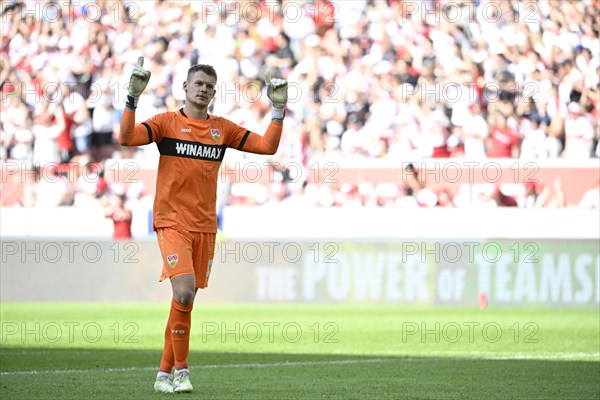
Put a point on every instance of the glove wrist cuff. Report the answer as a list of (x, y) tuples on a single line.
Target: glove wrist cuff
[(278, 113), (131, 102)]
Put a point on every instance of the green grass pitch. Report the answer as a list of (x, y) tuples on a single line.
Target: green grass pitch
[(111, 351)]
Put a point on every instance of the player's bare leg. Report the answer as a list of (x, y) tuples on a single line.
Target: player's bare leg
[(184, 289)]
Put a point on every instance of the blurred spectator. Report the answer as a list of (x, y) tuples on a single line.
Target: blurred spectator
[(281, 56), (538, 195), (140, 203), (487, 200), (17, 137), (579, 134), (591, 198), (102, 187), (558, 200), (427, 198), (475, 132), (406, 199), (29, 198), (86, 187), (554, 144), (119, 214), (18, 144), (534, 139), (503, 141), (46, 129), (503, 200), (53, 188), (412, 180), (416, 187), (444, 198), (535, 195), (103, 124), (78, 115)]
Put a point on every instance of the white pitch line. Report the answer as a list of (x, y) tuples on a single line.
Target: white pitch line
[(489, 355), (214, 366), (544, 356), (450, 355)]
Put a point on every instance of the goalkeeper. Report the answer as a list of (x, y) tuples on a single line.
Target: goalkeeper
[(192, 144)]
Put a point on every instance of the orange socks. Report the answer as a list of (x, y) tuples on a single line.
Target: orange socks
[(177, 337), (180, 319), (168, 359)]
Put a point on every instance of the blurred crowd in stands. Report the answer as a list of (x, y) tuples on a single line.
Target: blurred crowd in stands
[(412, 190), (384, 79)]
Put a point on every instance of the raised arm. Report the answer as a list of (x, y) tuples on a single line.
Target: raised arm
[(269, 142), (131, 134), (266, 144)]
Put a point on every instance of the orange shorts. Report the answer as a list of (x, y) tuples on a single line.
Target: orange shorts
[(186, 252)]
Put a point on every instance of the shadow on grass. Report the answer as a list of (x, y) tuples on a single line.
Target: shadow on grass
[(129, 374)]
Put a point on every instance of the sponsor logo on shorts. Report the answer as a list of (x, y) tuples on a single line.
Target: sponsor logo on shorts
[(215, 133), (172, 259)]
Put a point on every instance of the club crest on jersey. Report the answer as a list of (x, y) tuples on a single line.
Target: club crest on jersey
[(215, 133), (172, 259)]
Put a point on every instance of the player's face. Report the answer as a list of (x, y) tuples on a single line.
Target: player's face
[(200, 89)]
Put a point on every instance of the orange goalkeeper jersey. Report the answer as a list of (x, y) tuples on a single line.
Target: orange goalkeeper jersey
[(191, 152)]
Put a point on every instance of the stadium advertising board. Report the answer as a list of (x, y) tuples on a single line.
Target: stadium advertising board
[(505, 273), (547, 273)]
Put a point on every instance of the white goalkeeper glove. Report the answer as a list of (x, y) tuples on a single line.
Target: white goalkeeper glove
[(277, 92), (137, 83)]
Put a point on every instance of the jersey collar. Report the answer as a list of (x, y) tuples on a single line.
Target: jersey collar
[(208, 116)]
